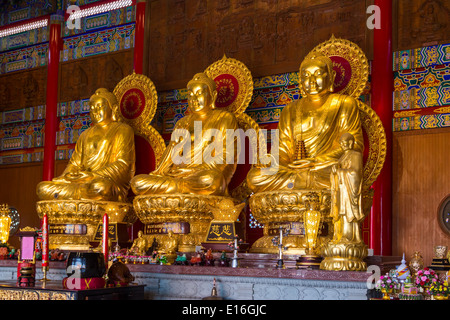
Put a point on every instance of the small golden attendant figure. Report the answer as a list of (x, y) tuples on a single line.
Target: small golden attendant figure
[(103, 161), (346, 181)]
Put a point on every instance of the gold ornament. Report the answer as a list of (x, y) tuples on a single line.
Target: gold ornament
[(227, 210), (5, 223)]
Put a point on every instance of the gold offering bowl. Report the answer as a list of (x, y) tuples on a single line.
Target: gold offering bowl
[(72, 223), (228, 210), (167, 210), (286, 209)]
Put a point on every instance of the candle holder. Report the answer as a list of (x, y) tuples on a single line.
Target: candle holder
[(278, 242), (44, 271), (235, 247)]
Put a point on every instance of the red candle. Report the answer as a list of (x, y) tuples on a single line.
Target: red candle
[(105, 238), (45, 241)]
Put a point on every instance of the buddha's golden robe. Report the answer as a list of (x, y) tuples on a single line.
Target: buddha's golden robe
[(320, 130), (206, 177), (107, 153)]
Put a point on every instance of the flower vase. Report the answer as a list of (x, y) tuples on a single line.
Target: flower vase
[(438, 297), (386, 294)]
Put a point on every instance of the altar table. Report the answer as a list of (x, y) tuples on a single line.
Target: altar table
[(53, 290)]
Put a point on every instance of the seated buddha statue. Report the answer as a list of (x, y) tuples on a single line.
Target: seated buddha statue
[(103, 161), (309, 132), (201, 168), (140, 244)]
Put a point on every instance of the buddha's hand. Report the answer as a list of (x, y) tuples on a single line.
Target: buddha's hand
[(180, 172), (302, 164), (79, 176)]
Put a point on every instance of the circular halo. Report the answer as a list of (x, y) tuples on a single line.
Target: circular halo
[(234, 83), (137, 99), (373, 126), (350, 64)]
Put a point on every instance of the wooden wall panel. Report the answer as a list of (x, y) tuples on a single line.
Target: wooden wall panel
[(421, 180), (23, 89), (18, 189), (269, 36), (80, 78), (421, 23)]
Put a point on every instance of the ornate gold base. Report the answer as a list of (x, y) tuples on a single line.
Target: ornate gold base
[(69, 242), (189, 208), (285, 209), (344, 256), (72, 223)]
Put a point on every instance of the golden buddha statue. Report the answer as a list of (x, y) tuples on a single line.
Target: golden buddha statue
[(322, 190), (140, 244), (194, 171), (95, 181), (309, 130), (346, 186), (198, 172), (103, 161)]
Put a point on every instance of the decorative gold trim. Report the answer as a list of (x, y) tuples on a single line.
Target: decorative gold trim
[(374, 129), (355, 57), (30, 294), (27, 229), (85, 211)]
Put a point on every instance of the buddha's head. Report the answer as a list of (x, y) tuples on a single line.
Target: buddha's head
[(316, 75), (347, 141), (202, 93), (102, 104)]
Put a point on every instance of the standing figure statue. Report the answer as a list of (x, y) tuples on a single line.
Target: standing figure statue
[(346, 185), (309, 130), (201, 166), (103, 162)]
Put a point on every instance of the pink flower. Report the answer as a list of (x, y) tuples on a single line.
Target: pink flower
[(427, 272), (424, 278)]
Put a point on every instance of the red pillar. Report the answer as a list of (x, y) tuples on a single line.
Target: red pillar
[(139, 36), (145, 160), (382, 87), (51, 117)]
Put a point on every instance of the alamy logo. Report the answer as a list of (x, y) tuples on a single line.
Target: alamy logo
[(374, 21), (73, 22), (218, 153)]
